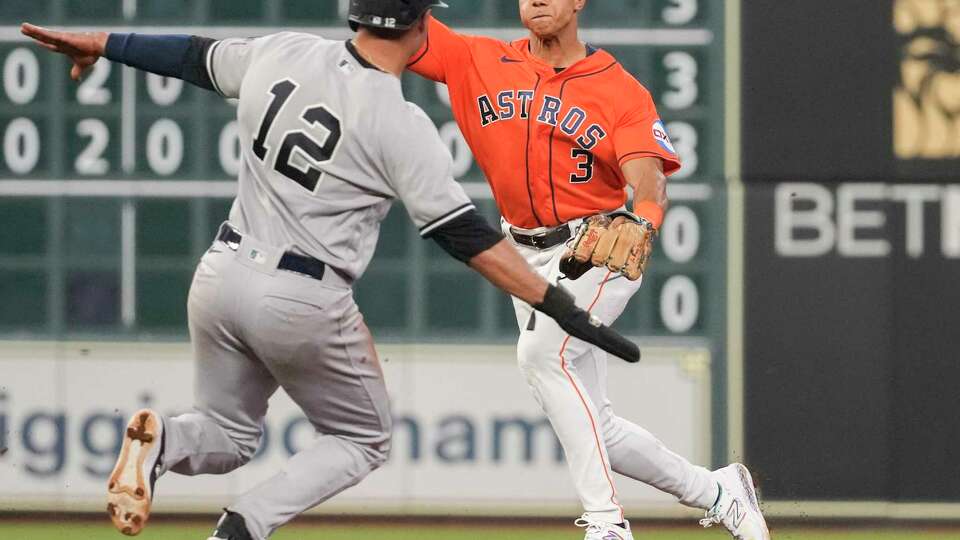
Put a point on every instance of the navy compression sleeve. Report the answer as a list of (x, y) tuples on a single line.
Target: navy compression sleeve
[(466, 236), (179, 56)]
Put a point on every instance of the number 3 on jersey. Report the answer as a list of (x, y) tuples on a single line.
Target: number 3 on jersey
[(584, 160), (318, 151)]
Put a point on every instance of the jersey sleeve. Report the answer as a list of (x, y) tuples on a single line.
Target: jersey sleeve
[(641, 133), (420, 172), (442, 53), (227, 64)]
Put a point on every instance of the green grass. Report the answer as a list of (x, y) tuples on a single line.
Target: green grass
[(85, 531)]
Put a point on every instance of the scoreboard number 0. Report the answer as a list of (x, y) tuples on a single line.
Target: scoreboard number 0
[(164, 91), (679, 304), (229, 148), (165, 147), (21, 146), (21, 76), (680, 296), (680, 234)]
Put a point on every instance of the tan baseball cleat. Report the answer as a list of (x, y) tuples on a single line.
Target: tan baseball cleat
[(130, 489)]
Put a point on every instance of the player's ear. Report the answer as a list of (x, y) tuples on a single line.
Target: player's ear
[(578, 5), (422, 22)]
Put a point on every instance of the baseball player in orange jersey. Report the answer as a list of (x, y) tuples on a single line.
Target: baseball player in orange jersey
[(560, 129)]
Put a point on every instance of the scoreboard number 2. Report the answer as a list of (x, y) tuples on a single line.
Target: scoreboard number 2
[(91, 90), (90, 161)]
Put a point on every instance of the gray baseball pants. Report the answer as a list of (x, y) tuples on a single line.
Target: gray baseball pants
[(255, 328)]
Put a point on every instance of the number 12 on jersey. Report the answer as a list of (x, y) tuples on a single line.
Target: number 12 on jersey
[(298, 139)]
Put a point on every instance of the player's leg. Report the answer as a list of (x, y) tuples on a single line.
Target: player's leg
[(231, 385), (544, 352), (231, 392), (635, 452), (322, 354)]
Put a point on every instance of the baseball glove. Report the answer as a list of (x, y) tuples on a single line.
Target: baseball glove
[(622, 242)]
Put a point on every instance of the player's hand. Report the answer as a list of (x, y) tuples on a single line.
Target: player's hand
[(621, 242), (560, 306), (84, 49)]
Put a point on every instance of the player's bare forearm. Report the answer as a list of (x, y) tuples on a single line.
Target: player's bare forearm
[(623, 243), (506, 269), (645, 176)]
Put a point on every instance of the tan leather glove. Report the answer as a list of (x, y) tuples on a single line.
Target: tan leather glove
[(621, 242)]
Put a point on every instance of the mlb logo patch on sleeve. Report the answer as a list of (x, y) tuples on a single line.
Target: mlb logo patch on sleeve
[(660, 134)]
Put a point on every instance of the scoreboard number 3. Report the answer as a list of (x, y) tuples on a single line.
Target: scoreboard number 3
[(680, 11)]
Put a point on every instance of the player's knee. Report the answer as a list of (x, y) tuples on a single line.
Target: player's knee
[(527, 355), (533, 356), (247, 446), (377, 452)]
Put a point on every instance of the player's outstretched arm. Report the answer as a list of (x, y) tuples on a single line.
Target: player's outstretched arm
[(504, 267), (177, 56), (470, 239)]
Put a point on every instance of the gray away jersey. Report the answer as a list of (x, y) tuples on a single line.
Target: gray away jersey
[(327, 144)]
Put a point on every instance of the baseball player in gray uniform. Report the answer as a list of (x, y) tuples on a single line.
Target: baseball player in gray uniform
[(328, 144)]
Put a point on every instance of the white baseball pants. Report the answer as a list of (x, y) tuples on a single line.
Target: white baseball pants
[(568, 378)]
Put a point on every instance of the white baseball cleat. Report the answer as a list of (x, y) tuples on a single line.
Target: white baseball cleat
[(737, 507), (130, 488), (598, 530)]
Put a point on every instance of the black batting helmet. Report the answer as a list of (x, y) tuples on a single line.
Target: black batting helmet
[(392, 14)]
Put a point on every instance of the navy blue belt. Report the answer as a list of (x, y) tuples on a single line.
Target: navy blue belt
[(290, 262)]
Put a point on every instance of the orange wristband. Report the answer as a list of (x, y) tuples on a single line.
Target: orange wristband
[(649, 211)]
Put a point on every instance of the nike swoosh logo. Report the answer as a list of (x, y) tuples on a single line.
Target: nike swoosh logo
[(507, 60)]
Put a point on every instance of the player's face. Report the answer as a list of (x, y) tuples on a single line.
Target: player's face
[(548, 17)]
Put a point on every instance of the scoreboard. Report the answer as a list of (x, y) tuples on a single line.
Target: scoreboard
[(111, 188)]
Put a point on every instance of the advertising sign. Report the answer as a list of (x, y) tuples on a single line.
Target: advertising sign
[(469, 437)]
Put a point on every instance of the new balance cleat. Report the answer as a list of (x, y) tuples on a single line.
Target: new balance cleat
[(599, 530), (737, 508)]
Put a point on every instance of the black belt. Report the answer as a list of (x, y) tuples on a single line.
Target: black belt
[(289, 261), (544, 240)]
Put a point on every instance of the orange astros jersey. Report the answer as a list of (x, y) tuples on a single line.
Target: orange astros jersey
[(551, 144)]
